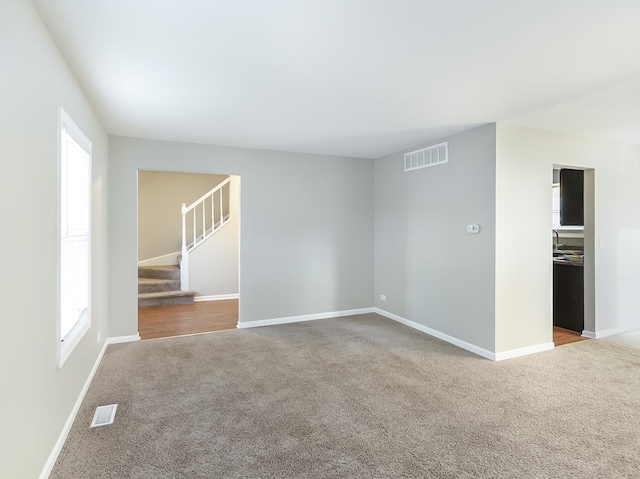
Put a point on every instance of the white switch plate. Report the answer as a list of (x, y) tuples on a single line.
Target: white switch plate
[(383, 297), (473, 229)]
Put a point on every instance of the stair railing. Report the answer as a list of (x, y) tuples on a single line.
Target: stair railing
[(207, 215)]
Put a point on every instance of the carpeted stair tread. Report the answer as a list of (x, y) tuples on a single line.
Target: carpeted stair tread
[(165, 298), (153, 285), (159, 272), (160, 286), (167, 294)]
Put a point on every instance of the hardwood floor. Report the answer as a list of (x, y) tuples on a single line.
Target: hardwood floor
[(182, 319), (563, 336)]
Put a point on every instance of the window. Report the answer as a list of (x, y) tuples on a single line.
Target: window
[(74, 253)]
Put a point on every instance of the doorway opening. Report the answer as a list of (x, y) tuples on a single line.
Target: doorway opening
[(188, 253), (573, 254)]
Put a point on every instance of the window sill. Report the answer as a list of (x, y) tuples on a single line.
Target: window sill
[(74, 337)]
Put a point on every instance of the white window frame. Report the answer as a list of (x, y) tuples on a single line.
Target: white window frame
[(67, 344)]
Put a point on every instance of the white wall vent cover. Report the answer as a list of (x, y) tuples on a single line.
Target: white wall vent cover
[(430, 156), (104, 415)]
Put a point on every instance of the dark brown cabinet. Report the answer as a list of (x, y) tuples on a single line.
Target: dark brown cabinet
[(568, 296), (571, 197)]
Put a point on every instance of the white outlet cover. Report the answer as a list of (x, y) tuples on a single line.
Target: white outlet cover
[(473, 229)]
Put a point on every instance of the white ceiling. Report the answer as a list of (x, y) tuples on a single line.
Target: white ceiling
[(351, 77)]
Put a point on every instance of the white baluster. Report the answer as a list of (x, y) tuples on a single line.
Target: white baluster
[(221, 209), (195, 232)]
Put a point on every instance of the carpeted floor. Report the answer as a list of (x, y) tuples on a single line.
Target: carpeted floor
[(357, 397)]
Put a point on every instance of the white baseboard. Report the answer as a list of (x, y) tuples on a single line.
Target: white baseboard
[(305, 317), (602, 334), (516, 353), (53, 457), (485, 353), (217, 297), (170, 258), (123, 339)]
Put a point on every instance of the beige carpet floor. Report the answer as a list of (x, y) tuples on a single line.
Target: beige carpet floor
[(357, 397)]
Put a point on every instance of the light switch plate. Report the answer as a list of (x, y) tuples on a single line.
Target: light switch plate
[(473, 229)]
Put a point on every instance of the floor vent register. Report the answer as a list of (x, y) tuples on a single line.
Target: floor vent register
[(104, 415)]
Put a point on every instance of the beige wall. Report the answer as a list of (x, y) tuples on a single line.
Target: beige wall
[(524, 164), (160, 197), (38, 397)]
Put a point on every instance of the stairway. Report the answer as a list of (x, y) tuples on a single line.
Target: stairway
[(160, 286)]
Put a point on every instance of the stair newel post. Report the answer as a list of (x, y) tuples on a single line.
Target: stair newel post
[(184, 264)]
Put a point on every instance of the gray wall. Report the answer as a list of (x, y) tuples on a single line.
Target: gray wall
[(431, 271), (38, 397), (306, 243), (160, 197)]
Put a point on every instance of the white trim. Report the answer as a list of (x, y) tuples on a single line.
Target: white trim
[(305, 317), (53, 457), (217, 297), (610, 332), (604, 333), (161, 260), (516, 353), (123, 339), (77, 333), (73, 339), (485, 353), (74, 131)]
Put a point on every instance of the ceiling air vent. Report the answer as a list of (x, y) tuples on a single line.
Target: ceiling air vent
[(430, 156), (104, 415)]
